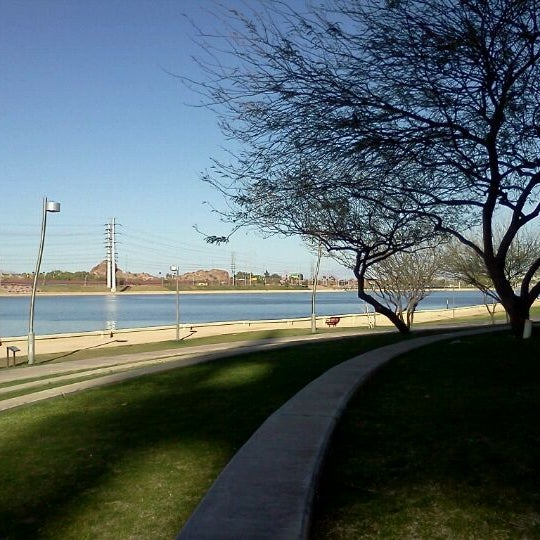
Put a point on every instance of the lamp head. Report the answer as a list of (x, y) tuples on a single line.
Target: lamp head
[(52, 206)]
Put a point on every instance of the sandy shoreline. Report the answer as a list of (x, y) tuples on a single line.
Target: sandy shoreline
[(213, 291), (57, 343)]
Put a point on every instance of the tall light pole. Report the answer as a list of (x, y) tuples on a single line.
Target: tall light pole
[(314, 291), (174, 269), (48, 206)]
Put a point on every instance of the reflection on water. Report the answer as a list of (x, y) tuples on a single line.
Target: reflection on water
[(60, 314), (111, 311)]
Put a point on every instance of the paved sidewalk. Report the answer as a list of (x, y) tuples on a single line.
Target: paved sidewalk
[(107, 370)]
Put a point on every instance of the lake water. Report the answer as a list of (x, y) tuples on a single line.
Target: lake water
[(71, 313)]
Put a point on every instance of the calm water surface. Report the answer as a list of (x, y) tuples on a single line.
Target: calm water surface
[(61, 314)]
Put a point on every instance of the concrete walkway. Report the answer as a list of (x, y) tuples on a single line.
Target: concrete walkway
[(267, 489), (107, 370)]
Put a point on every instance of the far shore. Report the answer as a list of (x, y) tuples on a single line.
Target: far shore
[(203, 291), (207, 291)]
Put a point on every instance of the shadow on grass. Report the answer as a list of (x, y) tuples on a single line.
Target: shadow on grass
[(70, 354), (443, 443), (69, 463), (168, 345)]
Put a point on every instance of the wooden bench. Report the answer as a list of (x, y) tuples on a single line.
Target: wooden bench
[(332, 321)]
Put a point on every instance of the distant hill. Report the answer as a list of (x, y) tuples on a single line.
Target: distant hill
[(100, 271), (207, 277), (199, 277)]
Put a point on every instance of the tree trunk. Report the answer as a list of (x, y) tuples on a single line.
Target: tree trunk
[(359, 270), (517, 307), (381, 308), (490, 310), (411, 309)]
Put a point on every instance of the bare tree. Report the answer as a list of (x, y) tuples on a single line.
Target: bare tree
[(428, 109), (403, 280), (359, 233), (464, 264)]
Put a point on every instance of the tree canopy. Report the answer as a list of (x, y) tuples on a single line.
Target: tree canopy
[(359, 120)]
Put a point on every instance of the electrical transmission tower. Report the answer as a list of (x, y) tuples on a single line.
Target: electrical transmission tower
[(110, 242), (233, 269)]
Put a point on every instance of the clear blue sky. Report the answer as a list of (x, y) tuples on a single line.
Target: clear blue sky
[(90, 117)]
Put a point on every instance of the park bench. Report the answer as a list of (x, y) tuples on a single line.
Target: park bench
[(332, 321)]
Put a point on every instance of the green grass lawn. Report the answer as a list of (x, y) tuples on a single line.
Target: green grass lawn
[(158, 346), (132, 460), (443, 443)]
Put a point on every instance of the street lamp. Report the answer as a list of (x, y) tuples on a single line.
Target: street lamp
[(174, 269), (314, 290), (48, 206)]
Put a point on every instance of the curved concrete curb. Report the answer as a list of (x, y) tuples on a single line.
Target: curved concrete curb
[(267, 489)]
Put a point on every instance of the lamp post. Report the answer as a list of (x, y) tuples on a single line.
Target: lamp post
[(314, 291), (174, 269), (48, 206)]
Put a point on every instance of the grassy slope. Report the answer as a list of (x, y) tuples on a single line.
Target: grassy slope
[(443, 443), (133, 460), (447, 447)]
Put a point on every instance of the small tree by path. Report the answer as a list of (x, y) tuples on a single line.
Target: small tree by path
[(465, 265), (403, 280)]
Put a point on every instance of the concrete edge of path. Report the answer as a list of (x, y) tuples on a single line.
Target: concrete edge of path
[(267, 489)]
